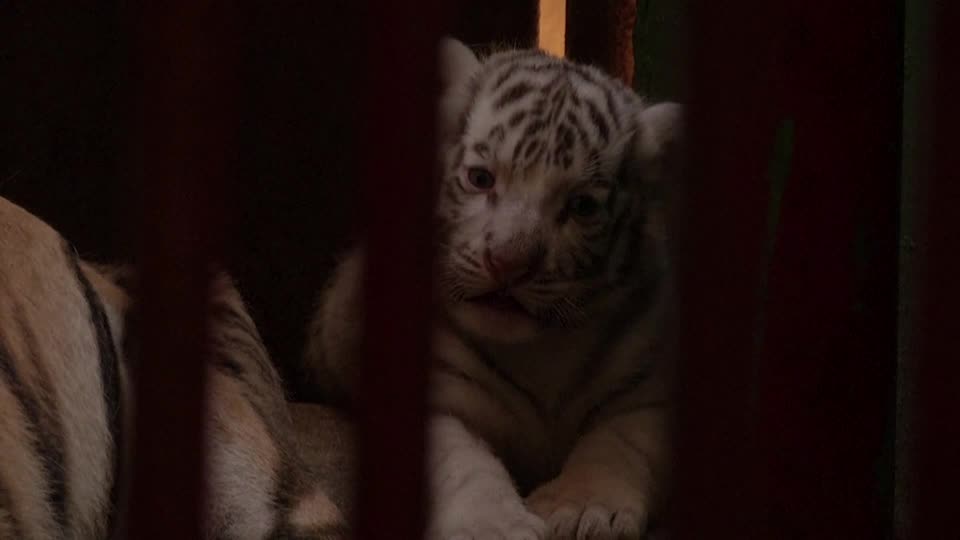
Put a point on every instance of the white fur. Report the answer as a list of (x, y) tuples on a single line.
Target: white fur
[(315, 510), (243, 461), (457, 66), (35, 274), (472, 493)]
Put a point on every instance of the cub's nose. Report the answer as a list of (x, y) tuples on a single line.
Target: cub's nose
[(509, 266)]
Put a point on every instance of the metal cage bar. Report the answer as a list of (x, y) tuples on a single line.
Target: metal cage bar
[(788, 268), (185, 125), (723, 198), (934, 332), (398, 163)]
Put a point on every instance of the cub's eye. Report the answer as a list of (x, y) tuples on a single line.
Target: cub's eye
[(480, 178), (584, 206)]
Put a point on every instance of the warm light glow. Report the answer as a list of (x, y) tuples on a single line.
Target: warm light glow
[(553, 25)]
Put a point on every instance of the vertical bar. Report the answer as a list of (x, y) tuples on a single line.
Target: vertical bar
[(720, 223), (827, 364), (399, 180), (600, 32), (935, 329), (916, 96), (801, 430), (184, 75)]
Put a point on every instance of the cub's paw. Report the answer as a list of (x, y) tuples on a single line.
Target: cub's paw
[(588, 508), (502, 520)]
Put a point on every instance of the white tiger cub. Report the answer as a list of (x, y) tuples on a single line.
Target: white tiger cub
[(65, 405), (551, 356)]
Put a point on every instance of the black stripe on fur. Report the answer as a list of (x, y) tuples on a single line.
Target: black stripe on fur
[(9, 378), (109, 378), (47, 446), (50, 425)]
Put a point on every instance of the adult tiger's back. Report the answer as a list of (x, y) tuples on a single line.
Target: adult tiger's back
[(60, 386), (65, 402)]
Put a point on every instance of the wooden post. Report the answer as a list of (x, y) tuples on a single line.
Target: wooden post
[(790, 279), (185, 119), (398, 167)]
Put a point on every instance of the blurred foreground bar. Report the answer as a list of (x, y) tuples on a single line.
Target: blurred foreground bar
[(935, 332), (398, 165), (788, 267), (183, 71)]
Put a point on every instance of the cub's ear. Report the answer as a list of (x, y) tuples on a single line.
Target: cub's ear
[(458, 65), (657, 150), (457, 62)]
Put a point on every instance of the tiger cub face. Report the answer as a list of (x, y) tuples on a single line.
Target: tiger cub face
[(547, 202)]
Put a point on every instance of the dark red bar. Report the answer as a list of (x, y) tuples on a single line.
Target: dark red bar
[(398, 166), (721, 235), (600, 32), (827, 369), (184, 73), (935, 332), (788, 374)]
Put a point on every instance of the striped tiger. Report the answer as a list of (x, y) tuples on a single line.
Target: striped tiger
[(551, 366), (65, 404)]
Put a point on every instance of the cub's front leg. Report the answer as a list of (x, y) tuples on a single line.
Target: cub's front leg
[(610, 483), (473, 495)]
